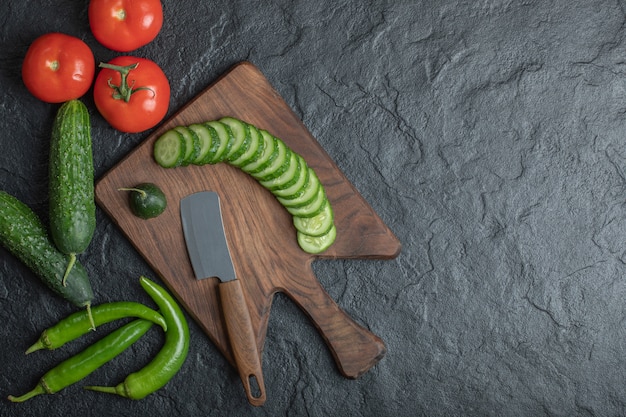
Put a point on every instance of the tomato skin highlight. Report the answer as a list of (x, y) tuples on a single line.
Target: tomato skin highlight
[(58, 68), (148, 103), (125, 25)]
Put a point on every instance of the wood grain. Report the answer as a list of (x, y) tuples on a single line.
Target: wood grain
[(242, 341), (260, 232)]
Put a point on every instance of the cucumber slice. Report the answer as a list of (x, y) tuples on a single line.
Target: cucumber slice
[(287, 178), (255, 148), (317, 225), (317, 244), (169, 149), (225, 138), (305, 195), (281, 169), (313, 208), (217, 147), (192, 144), (303, 178), (278, 165), (264, 157), (240, 138), (207, 144), (270, 152)]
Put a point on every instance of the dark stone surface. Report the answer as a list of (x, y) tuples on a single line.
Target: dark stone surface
[(489, 135)]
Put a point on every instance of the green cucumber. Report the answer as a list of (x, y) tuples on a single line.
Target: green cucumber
[(255, 148), (225, 136), (305, 195), (277, 166), (317, 244), (192, 144), (71, 181), (316, 225), (23, 234), (287, 178), (270, 152), (208, 143), (298, 187), (169, 149), (240, 138), (272, 163), (146, 200), (312, 208)]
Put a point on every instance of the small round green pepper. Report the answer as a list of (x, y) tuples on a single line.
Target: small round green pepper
[(146, 200)]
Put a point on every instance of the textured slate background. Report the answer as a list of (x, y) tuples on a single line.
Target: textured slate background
[(489, 135)]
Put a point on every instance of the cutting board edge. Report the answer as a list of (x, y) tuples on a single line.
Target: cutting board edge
[(394, 246), (170, 122)]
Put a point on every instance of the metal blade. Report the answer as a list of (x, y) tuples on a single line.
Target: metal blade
[(203, 228)]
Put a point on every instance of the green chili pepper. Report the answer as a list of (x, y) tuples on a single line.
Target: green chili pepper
[(169, 359), (82, 364), (79, 323)]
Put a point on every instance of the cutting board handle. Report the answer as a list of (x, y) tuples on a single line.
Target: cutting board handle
[(354, 348)]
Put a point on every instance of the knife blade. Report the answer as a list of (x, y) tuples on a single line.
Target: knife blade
[(203, 229)]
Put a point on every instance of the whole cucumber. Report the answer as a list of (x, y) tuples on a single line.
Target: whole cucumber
[(71, 181), (23, 234)]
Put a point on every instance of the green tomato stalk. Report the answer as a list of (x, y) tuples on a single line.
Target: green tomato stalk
[(124, 90)]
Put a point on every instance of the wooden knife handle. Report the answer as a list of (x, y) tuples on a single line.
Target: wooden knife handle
[(242, 340)]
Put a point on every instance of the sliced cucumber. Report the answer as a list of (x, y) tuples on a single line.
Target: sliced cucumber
[(287, 178), (270, 152), (305, 195), (255, 148), (240, 138), (299, 185), (169, 149), (317, 225), (207, 143), (278, 165), (192, 144), (225, 137), (312, 208), (217, 147), (267, 159), (317, 244)]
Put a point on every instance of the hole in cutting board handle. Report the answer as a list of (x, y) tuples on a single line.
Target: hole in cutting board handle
[(255, 389)]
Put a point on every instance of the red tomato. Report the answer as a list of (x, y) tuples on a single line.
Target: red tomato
[(58, 68), (125, 25), (132, 94)]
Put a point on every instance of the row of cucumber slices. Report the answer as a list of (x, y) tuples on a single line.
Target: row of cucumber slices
[(267, 159)]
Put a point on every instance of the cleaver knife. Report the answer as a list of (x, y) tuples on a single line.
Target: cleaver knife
[(203, 229)]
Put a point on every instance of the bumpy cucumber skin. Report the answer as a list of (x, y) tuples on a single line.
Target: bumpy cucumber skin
[(23, 234), (71, 179)]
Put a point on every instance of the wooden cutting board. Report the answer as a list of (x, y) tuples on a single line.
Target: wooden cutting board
[(260, 232)]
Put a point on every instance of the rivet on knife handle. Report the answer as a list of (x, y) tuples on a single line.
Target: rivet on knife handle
[(243, 341)]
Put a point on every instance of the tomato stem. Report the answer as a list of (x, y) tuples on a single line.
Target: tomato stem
[(124, 90)]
